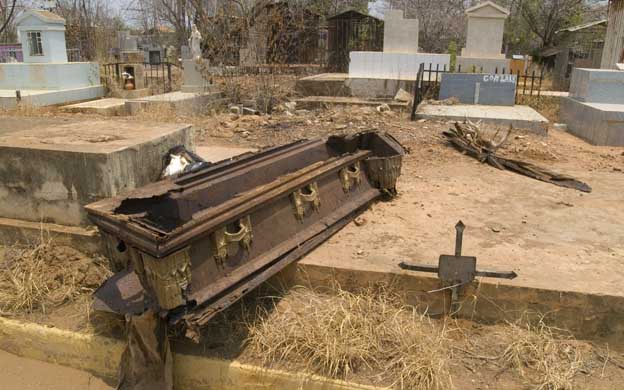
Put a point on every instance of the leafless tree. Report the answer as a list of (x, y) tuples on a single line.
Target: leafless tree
[(545, 17), (441, 21)]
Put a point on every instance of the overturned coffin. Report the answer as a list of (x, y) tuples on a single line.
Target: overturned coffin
[(193, 245)]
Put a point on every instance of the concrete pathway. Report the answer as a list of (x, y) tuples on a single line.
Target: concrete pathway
[(26, 374)]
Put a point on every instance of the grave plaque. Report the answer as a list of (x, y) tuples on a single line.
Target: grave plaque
[(478, 88)]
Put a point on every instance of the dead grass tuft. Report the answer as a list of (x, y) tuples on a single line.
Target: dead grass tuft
[(546, 356), (38, 277), (341, 333)]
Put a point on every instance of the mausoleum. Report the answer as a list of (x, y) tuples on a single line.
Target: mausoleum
[(46, 77)]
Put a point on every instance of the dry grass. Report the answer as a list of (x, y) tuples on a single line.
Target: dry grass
[(546, 356), (342, 334), (548, 106), (42, 276)]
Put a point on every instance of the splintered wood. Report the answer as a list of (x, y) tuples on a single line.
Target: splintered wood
[(467, 138)]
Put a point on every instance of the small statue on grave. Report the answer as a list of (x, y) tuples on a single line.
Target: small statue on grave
[(195, 43)]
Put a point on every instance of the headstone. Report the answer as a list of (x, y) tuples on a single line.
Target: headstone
[(475, 88), (400, 35), (486, 26)]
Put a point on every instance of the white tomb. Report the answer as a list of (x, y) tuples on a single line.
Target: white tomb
[(400, 58), (45, 77), (484, 42)]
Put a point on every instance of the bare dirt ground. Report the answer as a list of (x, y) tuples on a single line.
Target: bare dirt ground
[(553, 237)]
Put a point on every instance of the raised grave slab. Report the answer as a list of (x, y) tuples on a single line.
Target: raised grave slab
[(107, 107), (597, 123), (597, 86), (520, 117), (184, 102), (477, 88), (51, 168), (40, 97)]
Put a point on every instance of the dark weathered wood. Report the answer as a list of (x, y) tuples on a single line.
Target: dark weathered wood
[(478, 149)]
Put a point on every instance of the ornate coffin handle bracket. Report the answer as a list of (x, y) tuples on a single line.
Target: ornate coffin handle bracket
[(167, 278), (350, 177), (308, 194), (223, 238)]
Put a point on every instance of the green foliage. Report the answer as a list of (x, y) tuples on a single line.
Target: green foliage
[(452, 49)]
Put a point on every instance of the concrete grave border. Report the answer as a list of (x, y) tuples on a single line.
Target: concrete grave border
[(101, 356)]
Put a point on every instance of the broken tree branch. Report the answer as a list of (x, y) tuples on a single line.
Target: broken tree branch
[(467, 138)]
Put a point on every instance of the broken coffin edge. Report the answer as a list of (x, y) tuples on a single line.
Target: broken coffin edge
[(101, 356)]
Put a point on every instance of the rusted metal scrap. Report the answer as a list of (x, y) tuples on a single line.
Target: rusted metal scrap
[(191, 246), (466, 138)]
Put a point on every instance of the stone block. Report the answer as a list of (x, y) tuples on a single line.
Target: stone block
[(597, 86), (475, 88), (51, 168), (597, 123), (194, 81), (106, 107), (400, 66)]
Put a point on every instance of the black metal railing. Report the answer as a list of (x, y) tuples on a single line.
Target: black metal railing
[(158, 77), (428, 81)]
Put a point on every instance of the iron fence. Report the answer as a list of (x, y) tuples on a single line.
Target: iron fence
[(428, 81), (158, 77)]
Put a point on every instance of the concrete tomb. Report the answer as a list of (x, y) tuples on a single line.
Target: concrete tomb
[(51, 168), (46, 77), (400, 58), (594, 110), (485, 89), (484, 42)]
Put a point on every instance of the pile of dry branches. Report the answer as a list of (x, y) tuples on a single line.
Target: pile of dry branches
[(468, 138)]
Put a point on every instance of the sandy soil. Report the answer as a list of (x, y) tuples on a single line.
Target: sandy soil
[(553, 237)]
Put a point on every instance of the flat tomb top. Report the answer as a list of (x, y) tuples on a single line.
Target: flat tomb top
[(100, 103), (470, 111), (85, 136), (327, 77), (606, 106), (176, 96)]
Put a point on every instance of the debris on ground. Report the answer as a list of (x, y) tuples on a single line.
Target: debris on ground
[(180, 160), (383, 108), (467, 138), (403, 96), (446, 102)]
